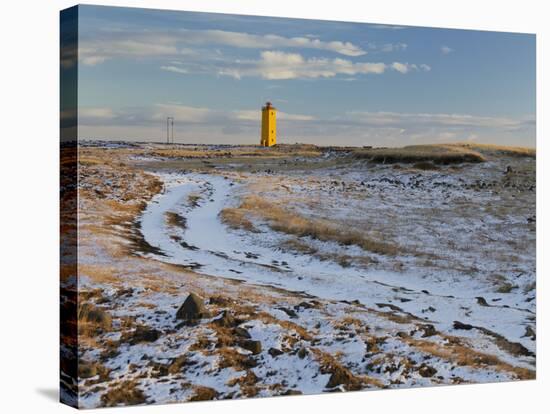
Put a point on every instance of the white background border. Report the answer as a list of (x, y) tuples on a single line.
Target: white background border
[(29, 311)]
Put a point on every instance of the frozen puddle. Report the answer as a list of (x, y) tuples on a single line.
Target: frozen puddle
[(200, 241)]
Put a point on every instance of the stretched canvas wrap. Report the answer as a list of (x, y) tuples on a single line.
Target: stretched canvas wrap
[(257, 206)]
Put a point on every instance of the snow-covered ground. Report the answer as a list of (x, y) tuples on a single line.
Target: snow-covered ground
[(439, 297), (464, 240)]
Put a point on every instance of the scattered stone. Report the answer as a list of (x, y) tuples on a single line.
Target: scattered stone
[(342, 376), (274, 352), (530, 333), (481, 301), (125, 292), (226, 320), (305, 305), (220, 301), (141, 334), (389, 305), (253, 346), (427, 371), (302, 353), (460, 325), (289, 312), (292, 392), (429, 330), (192, 309), (86, 369), (243, 333)]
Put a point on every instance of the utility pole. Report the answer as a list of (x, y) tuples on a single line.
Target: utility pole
[(169, 123)]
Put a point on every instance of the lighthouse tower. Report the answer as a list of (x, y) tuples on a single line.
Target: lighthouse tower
[(269, 125)]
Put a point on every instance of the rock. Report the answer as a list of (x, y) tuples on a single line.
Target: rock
[(141, 334), (460, 325), (243, 333), (481, 301), (86, 369), (302, 353), (274, 352), (304, 305), (530, 333), (292, 392), (289, 312), (192, 309), (428, 329), (389, 305), (342, 376), (427, 371), (226, 320), (220, 300), (253, 346)]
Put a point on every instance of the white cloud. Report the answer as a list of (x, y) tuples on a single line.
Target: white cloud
[(106, 45), (175, 69), (269, 41), (446, 50), (96, 113), (400, 67), (181, 112), (278, 65), (254, 115), (393, 47), (400, 119), (406, 67)]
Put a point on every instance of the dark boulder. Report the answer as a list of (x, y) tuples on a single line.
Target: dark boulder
[(274, 352), (226, 320), (141, 334), (428, 330), (253, 346), (192, 309), (460, 325), (427, 371)]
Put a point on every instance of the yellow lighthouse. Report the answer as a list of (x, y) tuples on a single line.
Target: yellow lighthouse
[(269, 125)]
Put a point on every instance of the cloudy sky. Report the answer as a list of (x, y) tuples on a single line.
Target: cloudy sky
[(332, 82)]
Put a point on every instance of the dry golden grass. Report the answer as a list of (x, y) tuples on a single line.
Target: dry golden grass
[(125, 393), (340, 375), (203, 394), (230, 358), (250, 151), (92, 320), (246, 383), (99, 273), (288, 222), (438, 154), (175, 220), (236, 219), (491, 149), (455, 351)]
